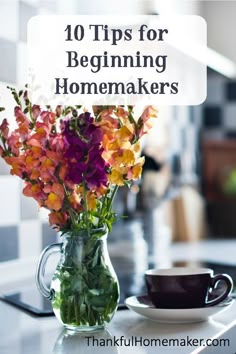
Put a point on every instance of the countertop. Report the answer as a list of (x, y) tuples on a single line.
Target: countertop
[(21, 333), (24, 334)]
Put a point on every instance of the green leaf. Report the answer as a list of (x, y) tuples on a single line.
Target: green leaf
[(95, 292)]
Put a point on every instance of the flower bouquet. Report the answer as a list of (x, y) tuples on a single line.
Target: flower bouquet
[(73, 161)]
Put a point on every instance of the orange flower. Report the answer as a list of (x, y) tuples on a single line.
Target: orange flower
[(36, 151), (35, 174), (35, 191), (47, 169), (17, 164), (57, 218), (62, 172), (30, 161), (47, 164), (59, 190), (53, 202), (101, 191), (55, 197), (75, 201)]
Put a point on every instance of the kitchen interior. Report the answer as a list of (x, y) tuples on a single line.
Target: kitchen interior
[(186, 197)]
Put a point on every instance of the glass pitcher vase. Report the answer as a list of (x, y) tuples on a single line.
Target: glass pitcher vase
[(84, 289)]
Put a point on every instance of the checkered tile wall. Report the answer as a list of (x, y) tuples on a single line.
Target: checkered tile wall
[(219, 110), (24, 231), (184, 131), (215, 119)]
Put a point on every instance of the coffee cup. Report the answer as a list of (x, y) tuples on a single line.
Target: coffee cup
[(185, 287)]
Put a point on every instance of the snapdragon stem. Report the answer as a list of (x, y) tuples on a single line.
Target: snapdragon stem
[(73, 221), (112, 197), (86, 208), (72, 217), (4, 146)]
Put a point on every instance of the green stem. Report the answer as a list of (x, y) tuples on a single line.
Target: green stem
[(6, 151), (73, 220), (86, 208), (112, 198), (72, 217)]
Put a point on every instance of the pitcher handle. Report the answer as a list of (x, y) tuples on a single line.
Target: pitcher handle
[(40, 271)]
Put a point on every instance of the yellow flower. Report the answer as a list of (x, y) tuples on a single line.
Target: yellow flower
[(91, 201), (116, 178), (115, 145), (136, 171), (124, 133), (137, 147), (119, 144), (124, 157)]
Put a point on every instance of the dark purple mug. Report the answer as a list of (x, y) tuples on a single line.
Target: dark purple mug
[(185, 287)]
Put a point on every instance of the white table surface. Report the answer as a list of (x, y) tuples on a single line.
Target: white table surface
[(21, 333)]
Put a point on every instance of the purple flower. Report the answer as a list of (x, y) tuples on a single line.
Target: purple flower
[(83, 151)]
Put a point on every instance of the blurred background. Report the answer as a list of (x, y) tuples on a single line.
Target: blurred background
[(188, 189)]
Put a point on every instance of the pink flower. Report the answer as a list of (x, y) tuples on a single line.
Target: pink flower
[(14, 143), (36, 111), (20, 116), (57, 143), (144, 123), (48, 118), (4, 129)]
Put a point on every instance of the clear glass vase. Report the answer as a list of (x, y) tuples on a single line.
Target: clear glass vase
[(84, 290)]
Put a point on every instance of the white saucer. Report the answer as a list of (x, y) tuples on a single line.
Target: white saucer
[(143, 306)]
